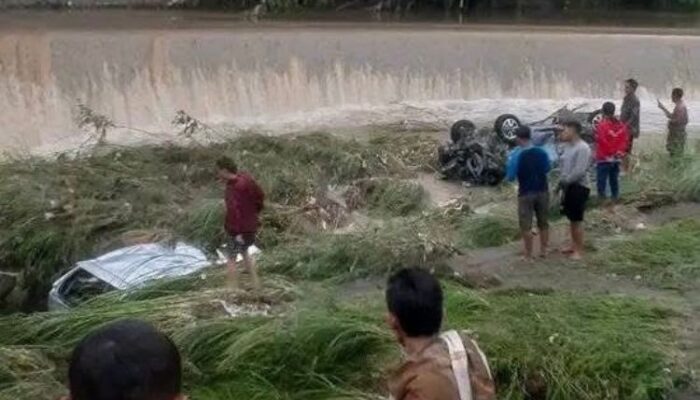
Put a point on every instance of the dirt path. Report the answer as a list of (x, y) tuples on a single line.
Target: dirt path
[(501, 266)]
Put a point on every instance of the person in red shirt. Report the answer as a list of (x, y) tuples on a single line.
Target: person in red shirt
[(612, 141), (244, 202)]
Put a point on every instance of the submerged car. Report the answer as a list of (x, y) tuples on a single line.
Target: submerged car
[(128, 268)]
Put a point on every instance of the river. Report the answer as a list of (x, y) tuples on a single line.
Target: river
[(280, 77)]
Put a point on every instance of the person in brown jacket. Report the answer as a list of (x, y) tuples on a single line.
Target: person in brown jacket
[(435, 366)]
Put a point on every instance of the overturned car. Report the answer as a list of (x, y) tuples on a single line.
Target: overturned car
[(479, 157)]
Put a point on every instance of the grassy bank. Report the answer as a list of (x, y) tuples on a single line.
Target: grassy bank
[(54, 212), (545, 345), (667, 257), (337, 211)]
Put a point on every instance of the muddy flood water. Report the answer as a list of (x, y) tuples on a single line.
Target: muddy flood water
[(279, 77)]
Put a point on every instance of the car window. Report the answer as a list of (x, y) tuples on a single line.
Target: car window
[(82, 286)]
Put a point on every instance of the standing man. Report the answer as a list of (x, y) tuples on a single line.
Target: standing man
[(677, 121), (530, 165), (630, 114), (573, 183), (612, 142), (244, 202)]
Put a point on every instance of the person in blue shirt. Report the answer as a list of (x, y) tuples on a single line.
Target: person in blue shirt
[(530, 165)]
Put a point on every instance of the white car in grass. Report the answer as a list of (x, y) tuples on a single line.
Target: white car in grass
[(128, 268)]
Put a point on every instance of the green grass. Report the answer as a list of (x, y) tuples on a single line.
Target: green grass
[(487, 231), (418, 241), (54, 212), (562, 346), (393, 198), (668, 256)]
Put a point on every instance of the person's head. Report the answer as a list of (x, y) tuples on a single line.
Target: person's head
[(608, 109), (125, 360), (677, 95), (414, 302), (523, 135), (631, 86), (227, 168), (572, 131)]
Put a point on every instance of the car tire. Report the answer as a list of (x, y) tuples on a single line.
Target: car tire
[(462, 130), (505, 127), (492, 177), (594, 118)]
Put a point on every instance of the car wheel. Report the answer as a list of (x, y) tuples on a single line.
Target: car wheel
[(492, 177), (594, 118), (505, 127), (462, 130)]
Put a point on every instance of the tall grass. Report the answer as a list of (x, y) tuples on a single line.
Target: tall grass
[(54, 212), (688, 184), (541, 345), (562, 346), (417, 241)]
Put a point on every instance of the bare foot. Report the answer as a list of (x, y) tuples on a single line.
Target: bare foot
[(575, 256), (567, 250), (526, 259)]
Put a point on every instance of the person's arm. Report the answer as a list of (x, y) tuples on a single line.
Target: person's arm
[(259, 197), (663, 108), (512, 165), (582, 160), (546, 162)]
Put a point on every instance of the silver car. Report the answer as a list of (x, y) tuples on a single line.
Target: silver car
[(128, 268)]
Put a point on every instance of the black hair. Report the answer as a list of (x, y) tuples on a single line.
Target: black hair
[(608, 109), (523, 132), (125, 360), (575, 125), (677, 92), (226, 163), (633, 83), (414, 297)]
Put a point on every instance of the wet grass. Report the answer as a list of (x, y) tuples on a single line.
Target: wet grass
[(54, 212), (419, 241), (541, 345), (482, 231), (666, 257), (562, 346), (544, 345)]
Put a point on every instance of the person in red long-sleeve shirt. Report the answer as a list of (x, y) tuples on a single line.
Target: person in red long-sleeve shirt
[(612, 141), (244, 202)]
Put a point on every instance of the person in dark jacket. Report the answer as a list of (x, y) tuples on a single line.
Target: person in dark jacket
[(244, 202), (630, 114)]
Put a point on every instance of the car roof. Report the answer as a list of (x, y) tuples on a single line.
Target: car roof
[(132, 266)]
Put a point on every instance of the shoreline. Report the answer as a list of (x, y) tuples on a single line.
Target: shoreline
[(146, 19)]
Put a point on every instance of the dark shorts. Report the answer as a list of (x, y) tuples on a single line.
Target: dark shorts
[(573, 203), (537, 205), (235, 247)]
